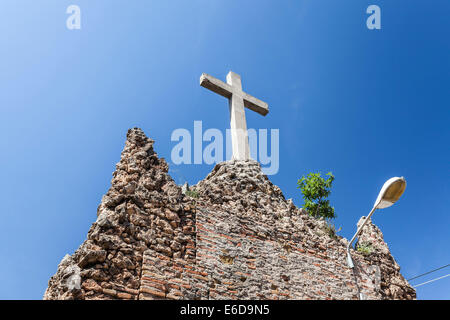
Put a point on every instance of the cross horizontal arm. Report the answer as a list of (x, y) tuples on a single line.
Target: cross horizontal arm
[(215, 85), (226, 90), (255, 104)]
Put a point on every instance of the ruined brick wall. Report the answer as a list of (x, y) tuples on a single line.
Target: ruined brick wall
[(239, 239), (391, 282), (142, 210)]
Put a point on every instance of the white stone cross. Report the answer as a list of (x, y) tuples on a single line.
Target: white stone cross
[(238, 99)]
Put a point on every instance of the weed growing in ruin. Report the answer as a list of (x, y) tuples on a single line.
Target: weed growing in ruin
[(192, 194), (330, 229), (316, 190), (365, 248)]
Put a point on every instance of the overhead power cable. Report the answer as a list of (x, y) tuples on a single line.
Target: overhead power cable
[(421, 284), (423, 274)]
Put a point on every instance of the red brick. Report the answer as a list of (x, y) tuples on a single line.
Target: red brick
[(153, 292), (124, 295)]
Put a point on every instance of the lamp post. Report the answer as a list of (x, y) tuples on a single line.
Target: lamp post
[(391, 191)]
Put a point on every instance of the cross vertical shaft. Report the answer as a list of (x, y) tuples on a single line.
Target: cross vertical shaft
[(238, 124)]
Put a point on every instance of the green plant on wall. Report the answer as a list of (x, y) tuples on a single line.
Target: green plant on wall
[(315, 190), (365, 248), (192, 194), (330, 229)]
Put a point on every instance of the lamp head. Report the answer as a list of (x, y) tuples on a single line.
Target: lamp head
[(391, 191)]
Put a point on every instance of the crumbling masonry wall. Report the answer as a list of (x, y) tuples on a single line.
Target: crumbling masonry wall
[(236, 238), (142, 211)]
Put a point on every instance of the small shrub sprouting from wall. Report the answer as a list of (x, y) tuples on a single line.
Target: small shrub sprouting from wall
[(330, 229), (315, 190), (365, 248), (192, 194)]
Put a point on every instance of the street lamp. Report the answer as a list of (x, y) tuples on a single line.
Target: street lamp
[(391, 191)]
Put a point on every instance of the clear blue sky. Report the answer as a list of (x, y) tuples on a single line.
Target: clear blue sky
[(367, 105)]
